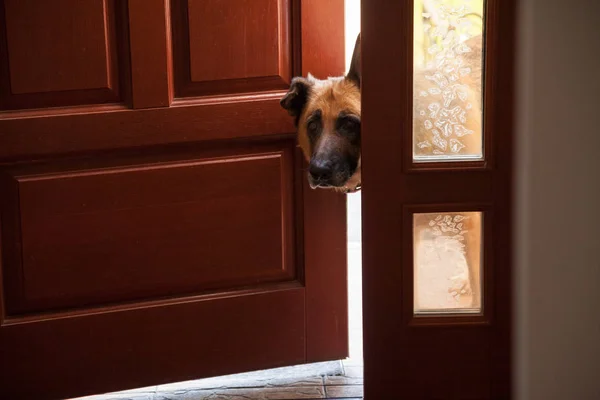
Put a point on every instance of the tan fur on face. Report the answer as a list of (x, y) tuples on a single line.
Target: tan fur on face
[(332, 96)]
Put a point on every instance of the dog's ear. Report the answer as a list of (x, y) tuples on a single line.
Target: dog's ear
[(355, 74), (296, 97)]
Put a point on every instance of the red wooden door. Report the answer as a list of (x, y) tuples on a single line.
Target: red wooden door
[(436, 173), (155, 221)]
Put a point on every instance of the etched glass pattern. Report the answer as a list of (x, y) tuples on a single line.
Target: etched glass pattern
[(447, 82), (447, 262)]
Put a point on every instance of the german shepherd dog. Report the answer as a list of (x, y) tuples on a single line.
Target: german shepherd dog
[(327, 116)]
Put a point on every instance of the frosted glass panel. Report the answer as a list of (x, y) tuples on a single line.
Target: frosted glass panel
[(447, 83), (447, 262)]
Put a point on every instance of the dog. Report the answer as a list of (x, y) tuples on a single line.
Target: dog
[(327, 116)]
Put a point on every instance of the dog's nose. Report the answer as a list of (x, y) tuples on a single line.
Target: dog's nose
[(321, 170)]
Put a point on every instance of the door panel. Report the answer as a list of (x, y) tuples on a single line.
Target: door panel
[(165, 232), (216, 44), (68, 58), (436, 200), (239, 29), (69, 354), (99, 236), (150, 52), (107, 128)]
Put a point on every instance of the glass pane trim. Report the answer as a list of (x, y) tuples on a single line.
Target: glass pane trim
[(447, 250), (447, 82)]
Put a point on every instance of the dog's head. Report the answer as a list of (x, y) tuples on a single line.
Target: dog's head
[(327, 117)]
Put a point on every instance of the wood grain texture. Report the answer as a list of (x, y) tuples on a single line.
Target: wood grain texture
[(233, 32), (142, 346), (107, 236), (326, 278), (324, 211), (253, 117), (502, 98), (151, 57), (326, 24), (442, 358), (232, 46), (51, 52), (65, 52)]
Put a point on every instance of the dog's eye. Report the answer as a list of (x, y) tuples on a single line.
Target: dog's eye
[(313, 129), (348, 125), (314, 125)]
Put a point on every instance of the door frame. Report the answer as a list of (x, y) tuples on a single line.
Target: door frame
[(387, 174)]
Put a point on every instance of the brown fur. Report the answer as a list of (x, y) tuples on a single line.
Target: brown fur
[(331, 96), (337, 142)]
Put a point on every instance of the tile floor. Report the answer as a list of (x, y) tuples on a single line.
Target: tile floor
[(331, 380)]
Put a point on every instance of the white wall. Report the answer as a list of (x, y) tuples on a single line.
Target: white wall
[(352, 28), (557, 226)]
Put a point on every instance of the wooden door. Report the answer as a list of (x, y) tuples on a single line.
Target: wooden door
[(436, 175), (156, 225)]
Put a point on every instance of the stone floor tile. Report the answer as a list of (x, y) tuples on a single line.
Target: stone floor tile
[(346, 391), (283, 393), (342, 380), (146, 393), (299, 375)]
